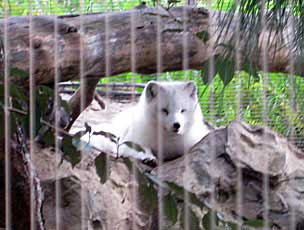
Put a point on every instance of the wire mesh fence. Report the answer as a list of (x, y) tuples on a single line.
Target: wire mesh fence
[(127, 115)]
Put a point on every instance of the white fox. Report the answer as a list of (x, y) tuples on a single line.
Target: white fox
[(166, 122)]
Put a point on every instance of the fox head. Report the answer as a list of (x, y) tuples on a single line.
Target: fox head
[(171, 106)]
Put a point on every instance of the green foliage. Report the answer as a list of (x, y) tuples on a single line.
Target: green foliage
[(134, 146), (226, 96), (146, 190), (102, 167), (243, 97), (257, 15), (254, 223), (17, 108), (224, 67), (41, 115), (208, 223), (51, 7), (111, 136), (203, 35), (71, 154), (193, 221), (170, 207)]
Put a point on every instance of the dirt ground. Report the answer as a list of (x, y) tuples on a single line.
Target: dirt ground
[(95, 115)]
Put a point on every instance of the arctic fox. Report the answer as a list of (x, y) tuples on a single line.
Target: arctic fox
[(167, 119), (166, 122)]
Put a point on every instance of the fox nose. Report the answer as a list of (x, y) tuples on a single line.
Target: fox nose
[(176, 126)]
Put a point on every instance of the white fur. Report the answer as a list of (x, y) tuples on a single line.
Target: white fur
[(149, 126)]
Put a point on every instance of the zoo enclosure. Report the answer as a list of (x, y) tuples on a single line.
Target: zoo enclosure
[(273, 100)]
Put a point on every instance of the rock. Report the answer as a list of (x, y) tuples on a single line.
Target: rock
[(241, 156), (228, 162), (112, 205)]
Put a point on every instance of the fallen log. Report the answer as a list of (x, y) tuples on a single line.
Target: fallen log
[(93, 46)]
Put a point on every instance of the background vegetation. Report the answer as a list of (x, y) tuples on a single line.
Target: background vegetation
[(274, 99)]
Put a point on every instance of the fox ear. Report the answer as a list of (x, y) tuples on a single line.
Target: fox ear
[(152, 89), (191, 89)]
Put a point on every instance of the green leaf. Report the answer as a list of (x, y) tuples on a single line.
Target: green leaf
[(203, 35), (207, 221), (128, 163), (111, 136), (170, 208), (208, 72), (134, 146), (254, 223), (176, 189), (18, 73), (147, 192), (193, 222), (251, 70), (88, 128), (49, 138), (44, 102), (180, 192), (71, 153), (102, 167), (81, 133), (225, 68), (18, 93)]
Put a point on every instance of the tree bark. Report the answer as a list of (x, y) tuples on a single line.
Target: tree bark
[(104, 42), (25, 192)]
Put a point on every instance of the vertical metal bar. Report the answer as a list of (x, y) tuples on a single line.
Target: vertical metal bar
[(239, 194), (56, 116), (264, 52), (186, 156), (32, 113), (110, 7), (292, 96), (83, 85), (211, 66), (133, 70), (7, 128), (292, 133), (159, 128), (107, 74), (213, 142), (185, 41)]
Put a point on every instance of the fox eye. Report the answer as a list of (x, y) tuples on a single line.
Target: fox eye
[(165, 111), (183, 110)]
